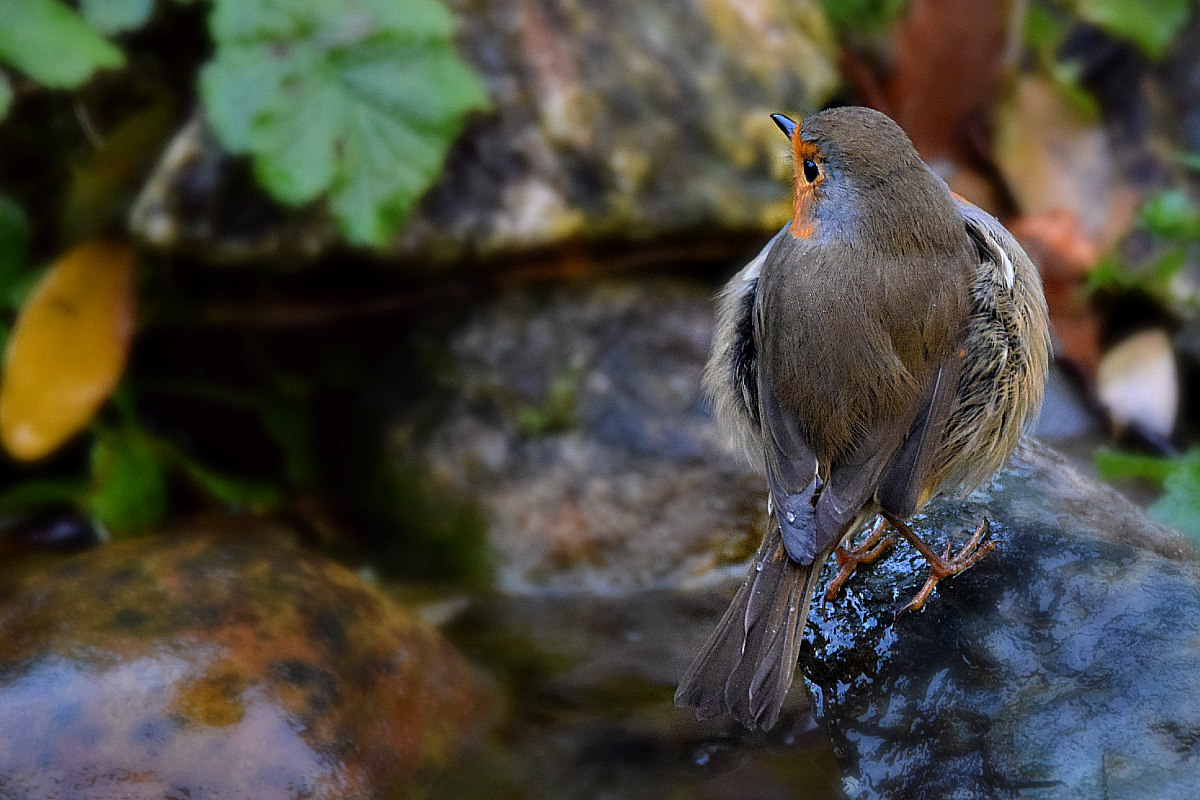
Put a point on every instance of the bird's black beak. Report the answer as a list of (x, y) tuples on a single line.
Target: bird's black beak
[(787, 125)]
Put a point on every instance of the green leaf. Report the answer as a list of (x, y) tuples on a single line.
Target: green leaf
[(115, 16), (6, 95), (1044, 32), (1066, 75), (1180, 505), (1189, 160), (50, 43), (863, 16), (14, 245), (238, 493), (35, 495), (1110, 273), (335, 20), (557, 413), (1169, 213), (1113, 464), (1165, 269), (356, 100), (288, 422), (1149, 24), (129, 488)]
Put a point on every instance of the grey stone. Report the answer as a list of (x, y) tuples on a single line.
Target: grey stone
[(576, 425)]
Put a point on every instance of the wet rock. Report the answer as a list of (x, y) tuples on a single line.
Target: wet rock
[(1066, 664), (620, 120), (203, 666)]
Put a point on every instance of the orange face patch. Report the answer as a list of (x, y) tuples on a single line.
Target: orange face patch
[(803, 222)]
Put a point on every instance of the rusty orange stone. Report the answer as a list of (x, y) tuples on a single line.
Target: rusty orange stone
[(204, 666)]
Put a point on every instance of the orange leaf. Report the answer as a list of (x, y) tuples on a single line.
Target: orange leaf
[(68, 348)]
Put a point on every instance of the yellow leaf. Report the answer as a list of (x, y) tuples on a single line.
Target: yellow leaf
[(68, 348)]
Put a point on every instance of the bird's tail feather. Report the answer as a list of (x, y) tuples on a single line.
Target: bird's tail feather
[(748, 664)]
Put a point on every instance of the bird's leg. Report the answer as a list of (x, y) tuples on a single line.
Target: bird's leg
[(848, 559), (943, 566)]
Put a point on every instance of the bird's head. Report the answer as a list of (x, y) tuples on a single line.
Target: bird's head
[(849, 163)]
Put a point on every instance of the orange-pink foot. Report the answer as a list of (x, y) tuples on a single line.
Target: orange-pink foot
[(848, 559), (944, 566)]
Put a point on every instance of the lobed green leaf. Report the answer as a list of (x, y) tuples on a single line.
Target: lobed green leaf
[(115, 16), (355, 100), (1180, 504), (52, 44), (1150, 24)]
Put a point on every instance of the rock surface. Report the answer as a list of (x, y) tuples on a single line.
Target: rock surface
[(207, 667), (620, 120), (573, 420), (1066, 664)]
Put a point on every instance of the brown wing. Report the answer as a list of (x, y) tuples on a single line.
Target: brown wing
[(1008, 345), (904, 485), (891, 467)]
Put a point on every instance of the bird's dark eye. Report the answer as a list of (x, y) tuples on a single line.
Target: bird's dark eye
[(811, 170)]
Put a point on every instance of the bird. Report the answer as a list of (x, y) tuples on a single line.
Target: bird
[(889, 344)]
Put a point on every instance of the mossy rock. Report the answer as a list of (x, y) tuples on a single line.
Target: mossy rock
[(204, 666)]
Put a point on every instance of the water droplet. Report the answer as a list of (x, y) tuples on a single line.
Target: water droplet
[(791, 516), (758, 566)]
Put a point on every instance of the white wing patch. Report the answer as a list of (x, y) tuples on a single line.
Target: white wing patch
[(993, 236), (1006, 267), (751, 271)]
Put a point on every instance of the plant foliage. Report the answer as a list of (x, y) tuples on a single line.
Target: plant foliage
[(52, 44), (358, 100), (1171, 220), (1179, 478), (1150, 24)]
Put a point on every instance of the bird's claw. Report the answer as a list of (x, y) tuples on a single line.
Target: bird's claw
[(848, 559), (944, 566)]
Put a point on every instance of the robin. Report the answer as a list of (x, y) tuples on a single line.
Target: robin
[(889, 344)]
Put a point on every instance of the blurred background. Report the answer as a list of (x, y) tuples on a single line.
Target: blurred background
[(422, 291)]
